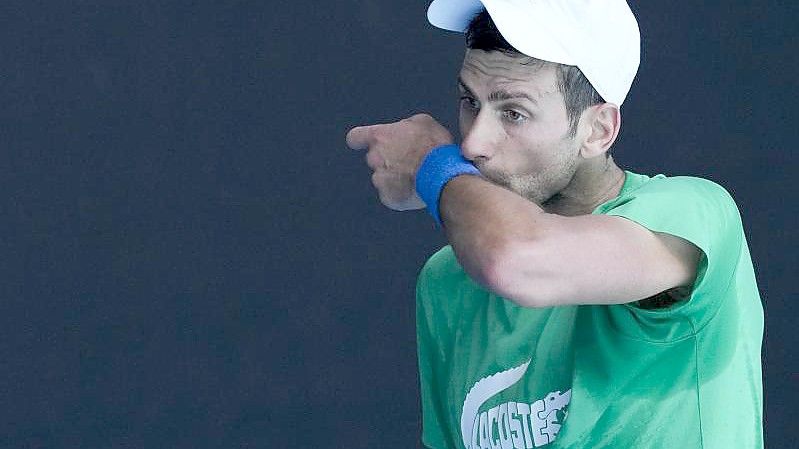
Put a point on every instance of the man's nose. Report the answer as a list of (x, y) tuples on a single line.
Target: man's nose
[(480, 139)]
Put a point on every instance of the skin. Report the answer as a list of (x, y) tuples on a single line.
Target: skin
[(524, 144), (523, 229)]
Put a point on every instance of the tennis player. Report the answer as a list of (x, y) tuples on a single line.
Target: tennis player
[(577, 305)]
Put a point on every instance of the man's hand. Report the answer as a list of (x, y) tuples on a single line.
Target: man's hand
[(394, 153)]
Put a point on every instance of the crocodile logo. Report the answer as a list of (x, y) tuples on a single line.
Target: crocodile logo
[(511, 425)]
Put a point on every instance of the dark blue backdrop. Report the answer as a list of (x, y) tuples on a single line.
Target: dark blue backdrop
[(190, 257)]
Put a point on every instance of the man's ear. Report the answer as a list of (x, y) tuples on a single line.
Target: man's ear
[(600, 125)]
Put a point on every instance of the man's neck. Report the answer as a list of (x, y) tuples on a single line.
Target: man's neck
[(591, 186)]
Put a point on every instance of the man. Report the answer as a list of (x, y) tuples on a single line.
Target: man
[(578, 305)]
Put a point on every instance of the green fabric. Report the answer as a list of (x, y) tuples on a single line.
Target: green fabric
[(497, 375)]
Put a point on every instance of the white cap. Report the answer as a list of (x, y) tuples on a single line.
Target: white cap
[(600, 37)]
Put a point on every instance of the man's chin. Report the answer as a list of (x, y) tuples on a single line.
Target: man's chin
[(500, 181), (491, 176)]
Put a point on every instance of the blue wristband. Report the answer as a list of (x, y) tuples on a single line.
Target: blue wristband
[(438, 168)]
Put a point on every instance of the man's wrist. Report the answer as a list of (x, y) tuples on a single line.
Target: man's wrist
[(437, 168)]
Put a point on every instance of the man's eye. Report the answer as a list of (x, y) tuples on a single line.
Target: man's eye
[(513, 115)]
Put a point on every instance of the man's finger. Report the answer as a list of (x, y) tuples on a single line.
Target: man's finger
[(360, 137), (375, 161)]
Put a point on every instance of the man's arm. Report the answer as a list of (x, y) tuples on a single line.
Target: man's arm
[(511, 246), (516, 250)]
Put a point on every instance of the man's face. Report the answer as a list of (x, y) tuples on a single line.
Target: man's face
[(514, 124)]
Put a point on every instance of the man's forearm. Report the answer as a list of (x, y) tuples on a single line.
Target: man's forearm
[(485, 224)]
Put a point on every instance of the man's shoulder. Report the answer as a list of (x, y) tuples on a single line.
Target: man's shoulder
[(681, 184), (681, 191), (442, 274), (442, 263)]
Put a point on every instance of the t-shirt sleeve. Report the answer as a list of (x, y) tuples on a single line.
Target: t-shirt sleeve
[(702, 213)]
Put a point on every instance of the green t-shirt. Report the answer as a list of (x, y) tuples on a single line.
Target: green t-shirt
[(497, 375)]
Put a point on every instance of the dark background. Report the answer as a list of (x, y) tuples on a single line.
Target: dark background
[(190, 256)]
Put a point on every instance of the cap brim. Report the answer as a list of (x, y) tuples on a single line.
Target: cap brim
[(525, 31), (453, 15)]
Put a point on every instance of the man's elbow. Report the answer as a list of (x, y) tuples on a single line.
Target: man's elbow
[(520, 276)]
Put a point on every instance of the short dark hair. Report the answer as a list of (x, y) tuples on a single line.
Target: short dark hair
[(578, 93)]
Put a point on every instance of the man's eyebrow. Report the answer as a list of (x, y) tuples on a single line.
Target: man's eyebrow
[(464, 86), (500, 95)]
